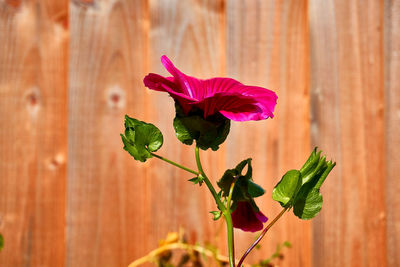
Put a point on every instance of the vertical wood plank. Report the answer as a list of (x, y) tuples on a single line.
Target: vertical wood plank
[(392, 105), (348, 123), (325, 130), (107, 212), (191, 34), (268, 46), (33, 131)]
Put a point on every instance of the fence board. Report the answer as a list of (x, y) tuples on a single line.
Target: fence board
[(348, 121), (33, 131), (268, 45), (392, 112), (108, 209), (191, 34), (325, 129)]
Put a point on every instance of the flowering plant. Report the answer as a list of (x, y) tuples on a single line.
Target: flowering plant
[(204, 109)]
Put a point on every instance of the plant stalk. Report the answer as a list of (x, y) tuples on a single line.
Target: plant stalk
[(229, 226), (207, 181), (225, 211), (175, 164), (262, 235), (231, 247)]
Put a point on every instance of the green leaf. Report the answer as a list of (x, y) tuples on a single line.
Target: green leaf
[(312, 161), (231, 174), (1, 242), (245, 189), (254, 189), (287, 188), (239, 168), (217, 214), (208, 133), (141, 138), (308, 204), (322, 177), (316, 168), (226, 180), (301, 189)]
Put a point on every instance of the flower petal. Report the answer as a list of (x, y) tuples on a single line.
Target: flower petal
[(187, 84), (261, 217), (234, 103), (246, 219), (264, 99), (160, 83), (231, 98)]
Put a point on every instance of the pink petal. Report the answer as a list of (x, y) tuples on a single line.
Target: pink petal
[(228, 102), (265, 100), (261, 217), (188, 84), (160, 83)]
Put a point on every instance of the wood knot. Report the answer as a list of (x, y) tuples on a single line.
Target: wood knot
[(32, 100), (116, 97), (56, 161), (62, 19)]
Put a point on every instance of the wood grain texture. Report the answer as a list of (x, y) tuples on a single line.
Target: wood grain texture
[(392, 115), (325, 130), (335, 66), (33, 131), (348, 123), (268, 46), (108, 207)]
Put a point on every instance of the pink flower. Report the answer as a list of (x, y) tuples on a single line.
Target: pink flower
[(227, 96), (246, 219)]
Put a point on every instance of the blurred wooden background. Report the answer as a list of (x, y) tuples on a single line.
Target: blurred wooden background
[(70, 70)]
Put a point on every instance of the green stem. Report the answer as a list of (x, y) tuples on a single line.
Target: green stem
[(225, 211), (228, 205), (207, 181), (229, 226), (262, 235), (231, 248), (175, 164)]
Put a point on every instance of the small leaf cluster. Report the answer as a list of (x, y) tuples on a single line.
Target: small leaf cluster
[(141, 138), (245, 189), (208, 133), (197, 180), (216, 214), (300, 189)]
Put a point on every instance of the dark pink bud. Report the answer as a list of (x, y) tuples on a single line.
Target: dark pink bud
[(246, 219)]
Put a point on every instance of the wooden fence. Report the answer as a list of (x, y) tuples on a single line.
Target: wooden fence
[(69, 72)]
